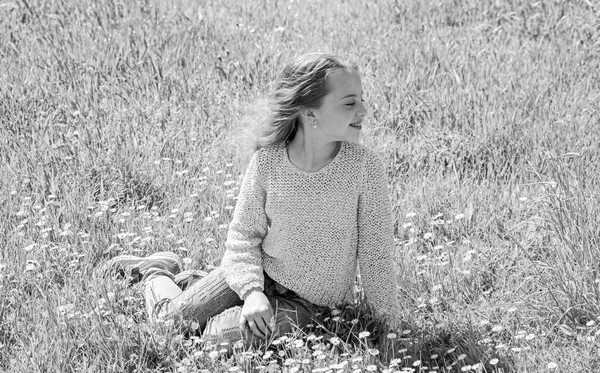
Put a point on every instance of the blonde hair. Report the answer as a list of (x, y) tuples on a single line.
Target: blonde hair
[(301, 85)]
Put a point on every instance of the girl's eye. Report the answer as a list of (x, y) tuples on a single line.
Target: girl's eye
[(350, 104)]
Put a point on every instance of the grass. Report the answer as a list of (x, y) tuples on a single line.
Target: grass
[(123, 129)]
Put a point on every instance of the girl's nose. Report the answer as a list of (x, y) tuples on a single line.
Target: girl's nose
[(362, 110)]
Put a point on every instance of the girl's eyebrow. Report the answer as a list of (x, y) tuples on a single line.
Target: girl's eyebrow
[(350, 95)]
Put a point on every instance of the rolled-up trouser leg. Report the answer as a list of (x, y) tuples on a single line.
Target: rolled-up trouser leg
[(204, 299)]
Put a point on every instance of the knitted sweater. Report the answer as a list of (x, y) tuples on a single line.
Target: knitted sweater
[(308, 230)]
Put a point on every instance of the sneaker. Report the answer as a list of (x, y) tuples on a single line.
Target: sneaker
[(136, 268)]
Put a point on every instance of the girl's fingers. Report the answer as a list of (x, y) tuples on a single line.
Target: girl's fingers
[(262, 326), (255, 330)]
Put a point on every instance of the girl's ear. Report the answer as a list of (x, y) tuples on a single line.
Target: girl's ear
[(308, 115)]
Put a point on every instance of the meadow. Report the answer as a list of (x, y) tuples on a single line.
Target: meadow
[(125, 127)]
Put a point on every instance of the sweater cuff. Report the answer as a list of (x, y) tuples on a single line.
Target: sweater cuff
[(248, 288)]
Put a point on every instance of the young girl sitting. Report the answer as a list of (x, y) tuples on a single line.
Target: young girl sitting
[(312, 206)]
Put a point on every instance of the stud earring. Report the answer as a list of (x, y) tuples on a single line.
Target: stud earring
[(314, 124)]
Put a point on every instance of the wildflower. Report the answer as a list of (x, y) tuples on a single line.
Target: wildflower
[(552, 365), (494, 361), (373, 351), (395, 362), (31, 265), (461, 357), (335, 341), (459, 217), (497, 328), (67, 308), (410, 215), (391, 335), (298, 343), (364, 334)]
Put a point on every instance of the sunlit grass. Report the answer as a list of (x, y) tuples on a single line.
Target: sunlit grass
[(124, 128)]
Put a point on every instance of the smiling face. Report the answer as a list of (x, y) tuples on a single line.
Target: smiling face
[(342, 110)]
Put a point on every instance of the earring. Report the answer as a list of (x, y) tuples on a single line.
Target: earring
[(314, 125)]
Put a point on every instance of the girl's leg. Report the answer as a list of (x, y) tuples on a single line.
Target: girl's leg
[(161, 274)]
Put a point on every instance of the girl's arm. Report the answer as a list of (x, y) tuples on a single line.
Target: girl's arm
[(242, 261), (376, 249)]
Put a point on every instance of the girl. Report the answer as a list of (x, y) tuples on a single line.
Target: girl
[(313, 204)]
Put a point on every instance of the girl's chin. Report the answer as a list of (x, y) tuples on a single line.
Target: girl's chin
[(353, 137)]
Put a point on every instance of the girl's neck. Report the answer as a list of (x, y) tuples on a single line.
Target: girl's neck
[(311, 154)]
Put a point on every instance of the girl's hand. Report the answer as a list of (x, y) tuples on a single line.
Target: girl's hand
[(257, 313)]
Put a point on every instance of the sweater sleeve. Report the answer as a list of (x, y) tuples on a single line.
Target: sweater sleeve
[(376, 243), (242, 261)]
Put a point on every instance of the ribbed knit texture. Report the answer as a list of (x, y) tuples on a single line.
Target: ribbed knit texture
[(307, 230)]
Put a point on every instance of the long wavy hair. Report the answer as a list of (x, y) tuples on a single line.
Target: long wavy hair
[(301, 85)]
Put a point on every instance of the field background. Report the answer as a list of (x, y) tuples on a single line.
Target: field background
[(125, 125)]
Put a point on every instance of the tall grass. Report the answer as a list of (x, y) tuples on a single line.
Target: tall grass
[(122, 127)]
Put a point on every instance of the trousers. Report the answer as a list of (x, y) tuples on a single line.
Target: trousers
[(217, 308)]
